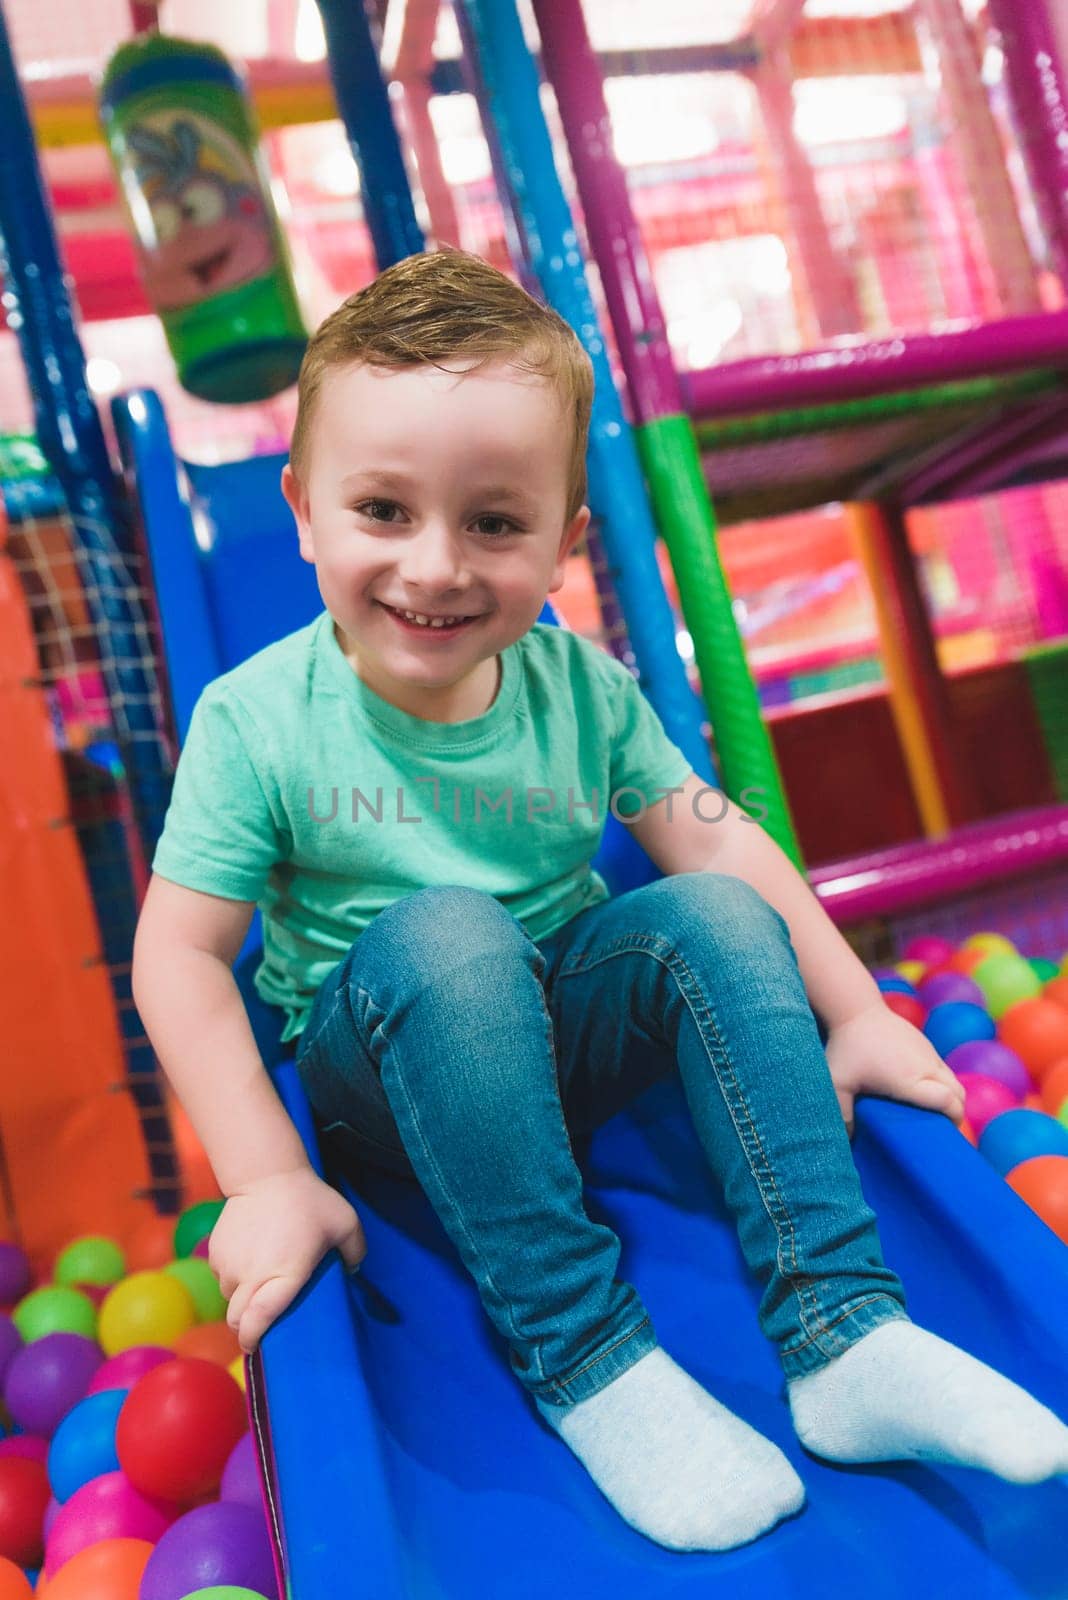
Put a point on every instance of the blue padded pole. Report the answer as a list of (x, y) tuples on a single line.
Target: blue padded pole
[(39, 310), (510, 92), (363, 100)]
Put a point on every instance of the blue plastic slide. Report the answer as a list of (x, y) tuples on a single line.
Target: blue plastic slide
[(402, 1457)]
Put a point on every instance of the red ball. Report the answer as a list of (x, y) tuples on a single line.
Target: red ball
[(907, 1006), (177, 1428), (24, 1497)]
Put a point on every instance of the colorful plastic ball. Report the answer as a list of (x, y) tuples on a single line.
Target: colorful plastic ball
[(10, 1341), (54, 1309), (122, 1371), (146, 1308), (907, 1006), (209, 1341), (1038, 1032), (47, 1377), (894, 983), (152, 1246), (946, 986), (83, 1445), (930, 949), (195, 1224), (178, 1427), (1054, 1087), (93, 1259), (241, 1478), (1020, 1135), (984, 1099), (225, 1543), (220, 1591), (913, 972), (991, 1059), (990, 944), (236, 1369), (24, 1496), (208, 1299), (202, 1249), (14, 1584), (969, 1132), (28, 1445), (110, 1570), (110, 1507), (964, 961), (1057, 991), (956, 1022), (1004, 981), (1043, 969), (1043, 1183), (14, 1273)]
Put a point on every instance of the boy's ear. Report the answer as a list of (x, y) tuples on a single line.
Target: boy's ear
[(571, 536), (297, 501)]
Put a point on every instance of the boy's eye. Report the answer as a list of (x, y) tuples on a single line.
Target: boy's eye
[(494, 526), (379, 510)]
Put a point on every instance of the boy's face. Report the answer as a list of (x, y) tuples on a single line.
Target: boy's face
[(442, 493)]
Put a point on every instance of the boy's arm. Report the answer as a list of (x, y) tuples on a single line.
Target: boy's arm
[(185, 993), (869, 1048)]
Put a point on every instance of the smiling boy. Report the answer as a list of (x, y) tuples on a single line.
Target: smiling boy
[(466, 998)]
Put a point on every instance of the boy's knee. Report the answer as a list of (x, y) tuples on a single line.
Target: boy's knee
[(716, 904), (441, 927)]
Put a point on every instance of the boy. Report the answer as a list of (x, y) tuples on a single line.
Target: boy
[(412, 788)]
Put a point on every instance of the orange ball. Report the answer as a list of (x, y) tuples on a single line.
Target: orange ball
[(1054, 1089), (14, 1584), (1037, 1030), (968, 1132), (152, 1246), (964, 960), (209, 1341), (111, 1569), (1057, 991), (1043, 1183)]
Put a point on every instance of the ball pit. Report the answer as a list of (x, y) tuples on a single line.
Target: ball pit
[(1043, 1183), (1019, 1135)]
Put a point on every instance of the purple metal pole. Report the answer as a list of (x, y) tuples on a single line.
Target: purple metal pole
[(1039, 93), (574, 72), (875, 366)]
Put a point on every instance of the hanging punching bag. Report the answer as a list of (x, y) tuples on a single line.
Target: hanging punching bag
[(213, 258)]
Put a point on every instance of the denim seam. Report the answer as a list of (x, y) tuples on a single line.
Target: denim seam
[(869, 1300), (663, 951), (475, 1253), (560, 1385)]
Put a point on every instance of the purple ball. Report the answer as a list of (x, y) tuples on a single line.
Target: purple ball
[(48, 1377), (52, 1512), (991, 1059), (218, 1544), (10, 1341), (241, 1477), (14, 1274), (946, 986)]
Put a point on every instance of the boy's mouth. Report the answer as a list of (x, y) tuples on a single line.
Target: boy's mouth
[(432, 627)]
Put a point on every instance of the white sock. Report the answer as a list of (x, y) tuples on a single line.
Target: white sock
[(677, 1465), (901, 1393)]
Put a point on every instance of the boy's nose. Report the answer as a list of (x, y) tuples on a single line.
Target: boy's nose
[(433, 561)]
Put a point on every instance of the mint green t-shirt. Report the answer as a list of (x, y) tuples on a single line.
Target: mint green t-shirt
[(301, 789)]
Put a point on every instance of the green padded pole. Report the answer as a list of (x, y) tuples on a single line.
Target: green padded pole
[(683, 510)]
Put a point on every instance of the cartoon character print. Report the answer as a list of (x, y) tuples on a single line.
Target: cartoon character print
[(205, 227)]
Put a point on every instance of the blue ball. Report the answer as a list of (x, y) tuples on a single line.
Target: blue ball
[(955, 1023), (895, 984), (1016, 1136), (83, 1446)]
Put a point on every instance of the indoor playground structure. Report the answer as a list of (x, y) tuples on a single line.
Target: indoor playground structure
[(818, 255)]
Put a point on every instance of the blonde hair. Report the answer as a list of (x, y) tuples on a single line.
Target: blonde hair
[(428, 309)]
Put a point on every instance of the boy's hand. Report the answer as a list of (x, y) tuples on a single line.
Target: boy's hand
[(878, 1052), (269, 1239)]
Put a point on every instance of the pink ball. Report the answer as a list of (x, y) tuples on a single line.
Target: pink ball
[(51, 1514), (108, 1507), (984, 1099), (122, 1371), (28, 1445), (930, 949), (202, 1247)]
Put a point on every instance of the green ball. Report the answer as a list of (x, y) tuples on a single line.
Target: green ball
[(1006, 980), (195, 1224), (91, 1260), (1044, 969), (54, 1309), (226, 1591), (1062, 1114), (196, 1276)]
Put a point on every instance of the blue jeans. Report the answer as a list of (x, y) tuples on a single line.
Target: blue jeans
[(449, 1046)]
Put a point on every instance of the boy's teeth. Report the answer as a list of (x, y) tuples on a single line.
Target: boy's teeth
[(433, 622)]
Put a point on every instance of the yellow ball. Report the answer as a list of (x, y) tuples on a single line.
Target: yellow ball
[(146, 1308), (912, 971), (992, 943), (236, 1369)]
